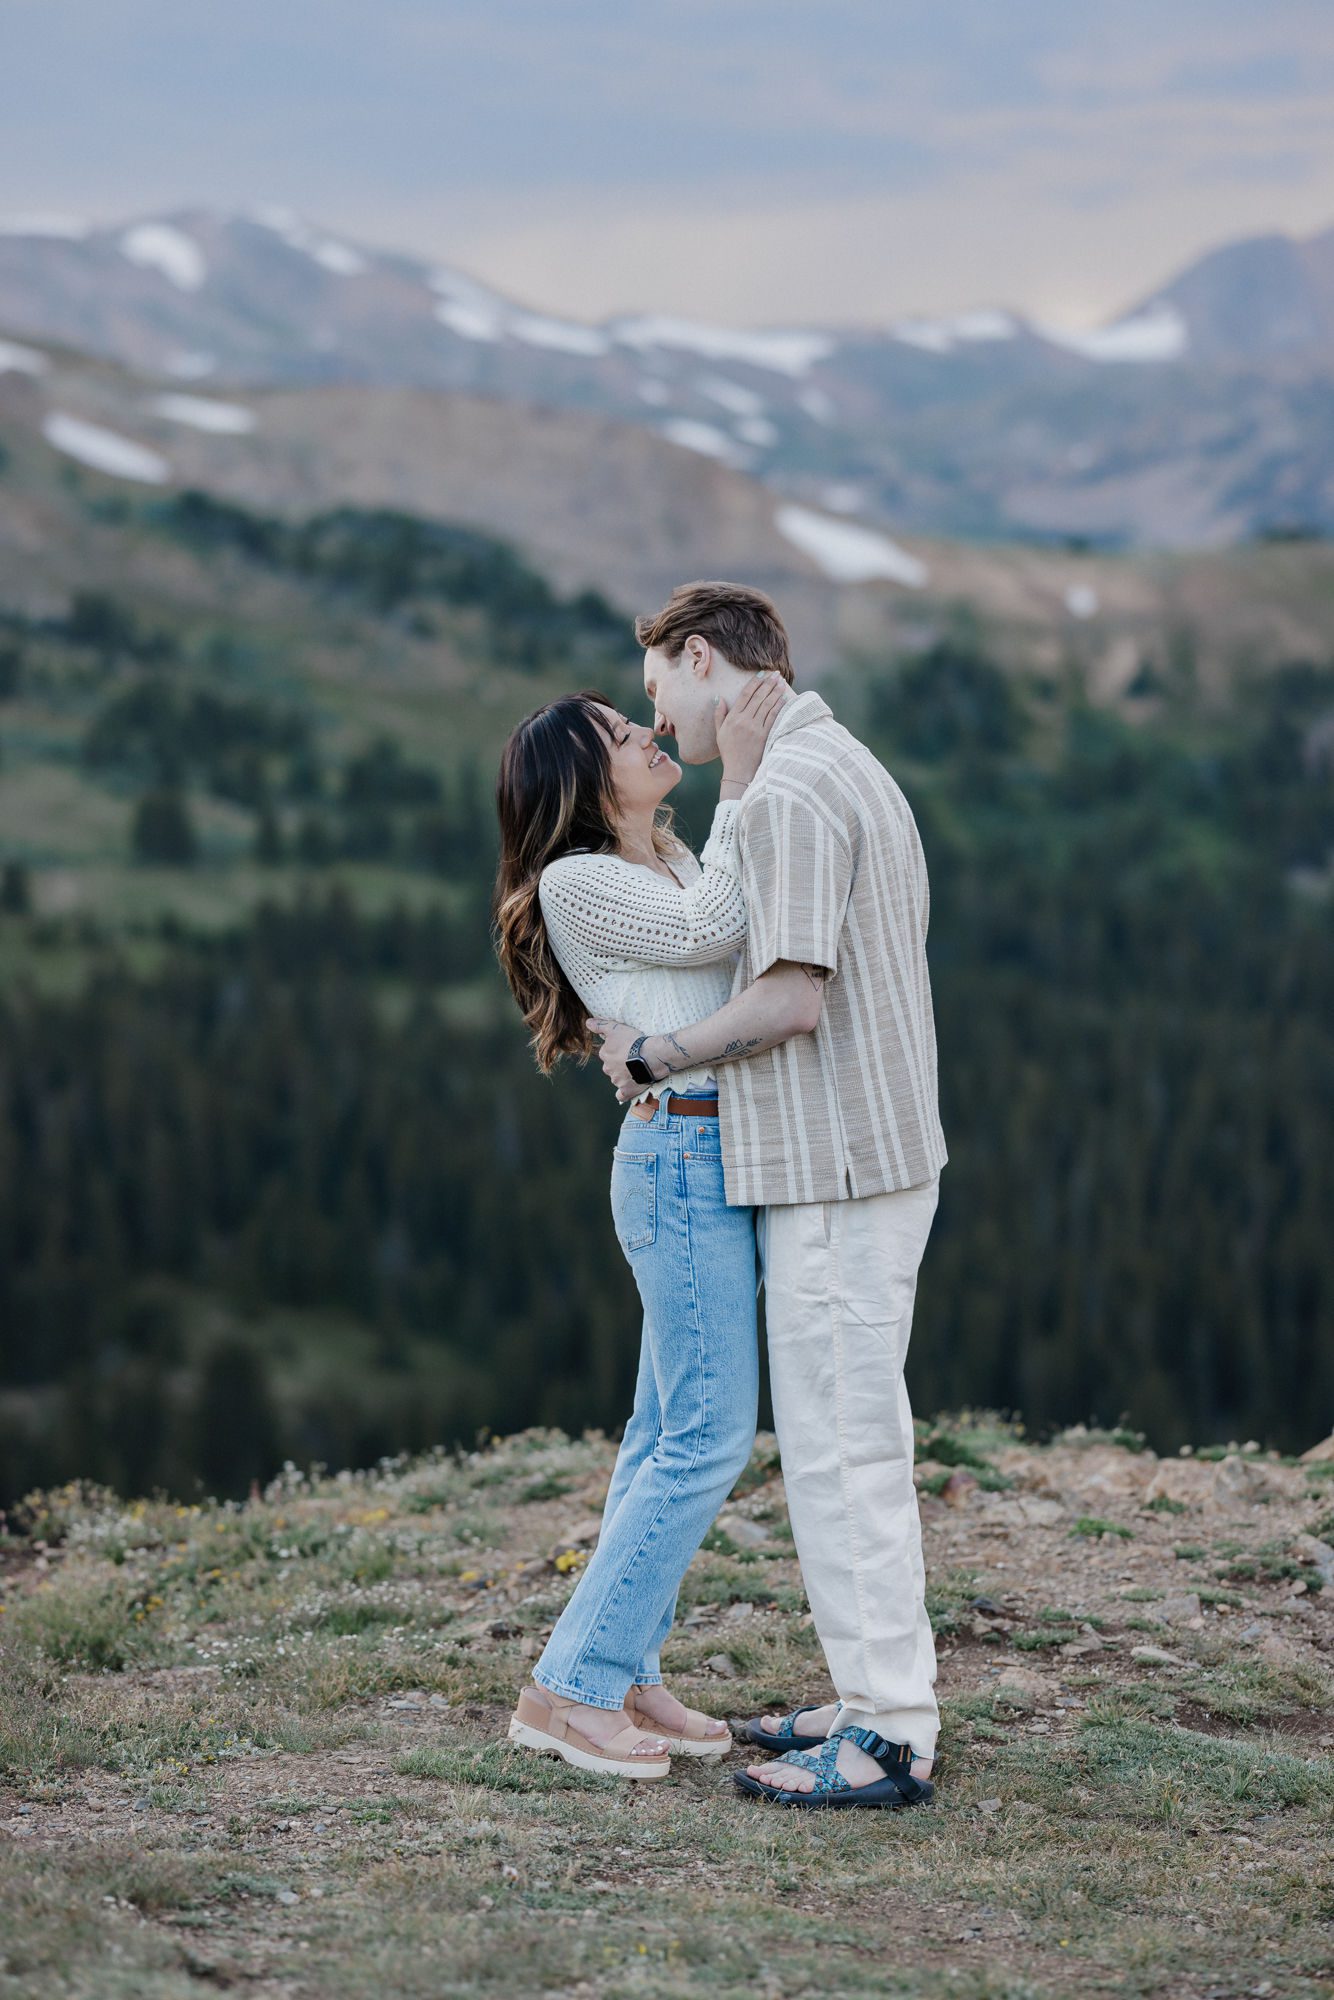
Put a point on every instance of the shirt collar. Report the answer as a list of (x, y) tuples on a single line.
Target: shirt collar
[(795, 714)]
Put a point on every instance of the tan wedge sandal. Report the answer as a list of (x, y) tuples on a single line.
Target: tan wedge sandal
[(546, 1722), (696, 1740)]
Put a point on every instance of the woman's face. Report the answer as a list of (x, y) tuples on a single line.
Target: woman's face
[(641, 771)]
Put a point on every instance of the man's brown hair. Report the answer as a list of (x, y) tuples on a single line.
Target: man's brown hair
[(742, 623)]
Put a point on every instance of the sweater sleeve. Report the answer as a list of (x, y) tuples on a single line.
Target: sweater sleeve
[(598, 909)]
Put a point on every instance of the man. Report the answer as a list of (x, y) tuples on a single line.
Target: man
[(826, 1062)]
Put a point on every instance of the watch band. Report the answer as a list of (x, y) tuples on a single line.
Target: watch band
[(636, 1064)]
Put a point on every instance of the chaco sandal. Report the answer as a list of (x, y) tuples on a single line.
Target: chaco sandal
[(898, 1787), (697, 1739), (787, 1736), (546, 1722)]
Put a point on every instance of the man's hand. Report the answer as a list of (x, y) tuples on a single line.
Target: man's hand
[(616, 1039)]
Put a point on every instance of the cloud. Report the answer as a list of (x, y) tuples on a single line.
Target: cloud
[(859, 157)]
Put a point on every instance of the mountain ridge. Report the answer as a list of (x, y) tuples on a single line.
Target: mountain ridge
[(1201, 416)]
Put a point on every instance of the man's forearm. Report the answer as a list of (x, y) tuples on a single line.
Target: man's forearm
[(784, 1002)]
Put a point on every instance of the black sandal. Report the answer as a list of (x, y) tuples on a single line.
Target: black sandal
[(898, 1787), (787, 1736)]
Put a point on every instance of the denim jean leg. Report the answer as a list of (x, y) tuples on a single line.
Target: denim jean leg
[(637, 1442), (693, 1259)]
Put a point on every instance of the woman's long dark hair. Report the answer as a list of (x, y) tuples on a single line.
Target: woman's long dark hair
[(554, 794)]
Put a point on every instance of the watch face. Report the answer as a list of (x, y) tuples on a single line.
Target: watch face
[(639, 1069)]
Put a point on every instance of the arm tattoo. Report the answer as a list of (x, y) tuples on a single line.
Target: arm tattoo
[(740, 1048), (686, 1058), (817, 974)]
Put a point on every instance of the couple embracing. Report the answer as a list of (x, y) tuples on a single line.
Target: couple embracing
[(764, 1012)]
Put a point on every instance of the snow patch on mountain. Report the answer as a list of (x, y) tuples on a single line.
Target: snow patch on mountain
[(298, 234), (847, 553), (202, 413), (692, 435), (943, 336), (733, 396), (103, 450), (158, 246), (18, 360), (1081, 600), (562, 336), (69, 228), (470, 320), (757, 431), (779, 352), (1159, 333)]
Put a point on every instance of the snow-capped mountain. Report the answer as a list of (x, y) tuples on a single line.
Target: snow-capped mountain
[(1203, 413)]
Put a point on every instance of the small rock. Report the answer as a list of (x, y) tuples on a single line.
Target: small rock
[(1320, 1454), (1157, 1656), (988, 1606), (1020, 1686), (989, 1805), (1179, 1479), (438, 1701), (287, 1896), (1310, 1549), (720, 1664), (747, 1534), (959, 1487), (736, 1614), (581, 1533), (1179, 1609)]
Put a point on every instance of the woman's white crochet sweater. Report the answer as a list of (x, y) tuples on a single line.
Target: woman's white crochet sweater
[(638, 948)]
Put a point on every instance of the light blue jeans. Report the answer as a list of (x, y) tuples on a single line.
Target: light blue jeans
[(693, 1424)]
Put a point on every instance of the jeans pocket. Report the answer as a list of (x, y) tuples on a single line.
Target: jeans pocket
[(634, 1198)]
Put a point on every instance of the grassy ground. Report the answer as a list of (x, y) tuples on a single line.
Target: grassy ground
[(261, 1746)]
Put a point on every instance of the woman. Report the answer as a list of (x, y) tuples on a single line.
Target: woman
[(601, 909)]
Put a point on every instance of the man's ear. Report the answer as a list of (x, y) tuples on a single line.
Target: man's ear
[(699, 654)]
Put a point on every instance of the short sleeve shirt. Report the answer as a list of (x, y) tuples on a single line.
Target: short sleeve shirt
[(833, 874)]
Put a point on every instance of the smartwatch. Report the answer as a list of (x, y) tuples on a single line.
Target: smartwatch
[(635, 1063)]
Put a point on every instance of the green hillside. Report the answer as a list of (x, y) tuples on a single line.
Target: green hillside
[(260, 1745), (279, 1179)]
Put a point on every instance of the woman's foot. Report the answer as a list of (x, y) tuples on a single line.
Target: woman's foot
[(605, 1740), (688, 1731)]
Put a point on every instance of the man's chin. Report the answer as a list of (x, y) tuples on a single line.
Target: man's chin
[(697, 753)]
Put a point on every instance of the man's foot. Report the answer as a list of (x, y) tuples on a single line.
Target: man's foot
[(814, 1721), (852, 1763), (688, 1732)]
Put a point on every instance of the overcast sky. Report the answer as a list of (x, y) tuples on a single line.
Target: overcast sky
[(833, 160)]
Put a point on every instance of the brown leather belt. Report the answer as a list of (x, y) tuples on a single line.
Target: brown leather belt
[(688, 1107)]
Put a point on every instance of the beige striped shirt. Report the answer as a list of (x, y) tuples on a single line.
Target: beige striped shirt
[(833, 874)]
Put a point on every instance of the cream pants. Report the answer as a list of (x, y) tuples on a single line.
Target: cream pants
[(839, 1282)]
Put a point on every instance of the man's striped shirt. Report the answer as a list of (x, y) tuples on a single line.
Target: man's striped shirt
[(833, 874)]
